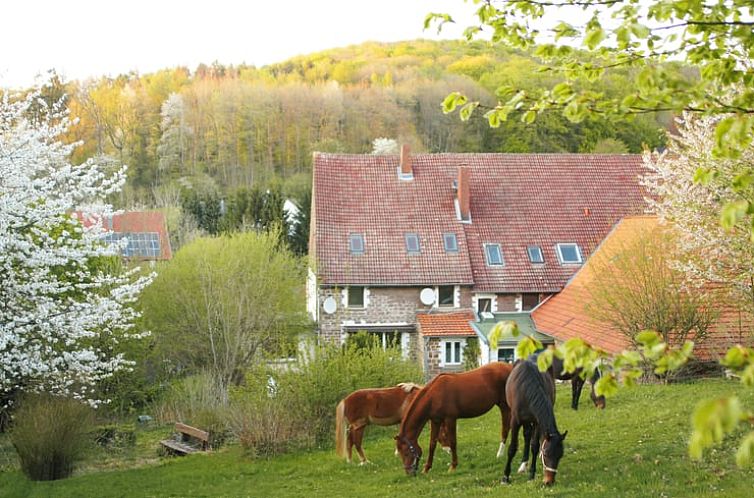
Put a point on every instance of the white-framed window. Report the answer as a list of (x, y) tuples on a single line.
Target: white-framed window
[(412, 243), (356, 297), (450, 242), (535, 254), (569, 254), (494, 255), (507, 355), (446, 296), (356, 243), (451, 352), (484, 305)]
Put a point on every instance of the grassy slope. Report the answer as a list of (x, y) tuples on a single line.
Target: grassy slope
[(637, 447)]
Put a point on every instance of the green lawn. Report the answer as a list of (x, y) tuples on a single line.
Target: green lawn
[(637, 447)]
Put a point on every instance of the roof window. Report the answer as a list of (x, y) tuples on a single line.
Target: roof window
[(412, 243), (494, 255), (356, 243), (569, 254), (535, 254)]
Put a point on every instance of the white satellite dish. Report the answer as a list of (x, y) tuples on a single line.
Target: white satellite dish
[(330, 305), (427, 296)]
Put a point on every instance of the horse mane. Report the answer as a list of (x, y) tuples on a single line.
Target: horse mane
[(532, 384), (422, 392), (409, 386)]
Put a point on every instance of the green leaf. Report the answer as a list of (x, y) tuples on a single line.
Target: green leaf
[(527, 346), (732, 212), (648, 338), (529, 117), (594, 37), (607, 385), (745, 452), (544, 359), (468, 110), (452, 101), (502, 330), (703, 175), (712, 421)]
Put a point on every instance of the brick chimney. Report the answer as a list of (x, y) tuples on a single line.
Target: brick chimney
[(406, 171), (464, 195)]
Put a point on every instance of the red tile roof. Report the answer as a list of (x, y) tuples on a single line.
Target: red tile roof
[(564, 315), (517, 200), (143, 221), (442, 324)]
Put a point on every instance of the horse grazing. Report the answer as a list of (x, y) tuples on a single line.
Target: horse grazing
[(530, 394), (369, 406), (557, 371), (445, 399)]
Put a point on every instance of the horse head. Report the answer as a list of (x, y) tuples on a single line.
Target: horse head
[(551, 452), (410, 453)]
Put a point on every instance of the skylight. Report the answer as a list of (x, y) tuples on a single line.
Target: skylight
[(569, 254), (494, 255), (450, 241), (356, 243), (412, 243), (535, 254)]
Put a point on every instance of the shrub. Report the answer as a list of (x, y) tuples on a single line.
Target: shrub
[(200, 401), (50, 435), (112, 436), (300, 410)]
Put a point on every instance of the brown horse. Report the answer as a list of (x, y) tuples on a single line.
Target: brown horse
[(531, 397), (445, 399), (369, 406)]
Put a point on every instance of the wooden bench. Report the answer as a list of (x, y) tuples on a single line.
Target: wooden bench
[(187, 440)]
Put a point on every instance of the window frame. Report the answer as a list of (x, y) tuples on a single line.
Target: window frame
[(452, 303), (523, 307), (356, 236), (412, 236), (479, 308), (541, 254), (363, 297), (451, 343), (509, 348), (450, 236), (487, 247), (559, 249)]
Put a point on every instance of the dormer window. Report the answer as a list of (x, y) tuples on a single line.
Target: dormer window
[(412, 243), (450, 242), (535, 254), (494, 255), (356, 243), (569, 254)]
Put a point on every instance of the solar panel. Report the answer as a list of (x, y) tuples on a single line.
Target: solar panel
[(140, 244)]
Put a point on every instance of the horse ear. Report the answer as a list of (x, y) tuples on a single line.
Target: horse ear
[(564, 435)]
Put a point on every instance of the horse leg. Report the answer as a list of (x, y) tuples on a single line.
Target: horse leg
[(433, 435), (577, 384), (534, 447), (358, 436), (528, 430), (512, 447), (450, 428), (350, 442), (505, 416)]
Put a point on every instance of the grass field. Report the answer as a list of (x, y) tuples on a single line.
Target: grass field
[(637, 447)]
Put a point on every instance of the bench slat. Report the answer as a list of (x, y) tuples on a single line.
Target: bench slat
[(176, 446), (192, 431)]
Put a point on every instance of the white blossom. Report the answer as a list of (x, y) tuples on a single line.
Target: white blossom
[(709, 253), (60, 314)]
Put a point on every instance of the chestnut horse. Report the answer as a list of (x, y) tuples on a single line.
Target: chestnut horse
[(369, 406), (445, 399), (531, 397)]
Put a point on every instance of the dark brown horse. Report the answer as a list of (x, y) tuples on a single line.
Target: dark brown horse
[(445, 399), (531, 397), (577, 383), (369, 406)]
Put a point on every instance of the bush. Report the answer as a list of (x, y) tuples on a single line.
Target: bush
[(300, 410), (50, 435), (112, 436), (200, 401)]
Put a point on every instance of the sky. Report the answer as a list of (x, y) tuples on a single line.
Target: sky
[(89, 38)]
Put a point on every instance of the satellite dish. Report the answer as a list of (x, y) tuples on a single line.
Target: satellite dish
[(427, 296), (330, 305)]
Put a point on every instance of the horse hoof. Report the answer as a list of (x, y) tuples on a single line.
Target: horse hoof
[(505, 480), (446, 449), (426, 470), (364, 462), (451, 470), (522, 468)]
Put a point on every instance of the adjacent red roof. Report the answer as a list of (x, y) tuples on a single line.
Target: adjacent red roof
[(517, 200), (143, 222), (442, 324), (564, 316)]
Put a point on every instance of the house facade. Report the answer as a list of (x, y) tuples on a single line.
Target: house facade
[(422, 249)]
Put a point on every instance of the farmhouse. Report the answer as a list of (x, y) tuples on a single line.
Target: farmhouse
[(428, 250), (145, 232)]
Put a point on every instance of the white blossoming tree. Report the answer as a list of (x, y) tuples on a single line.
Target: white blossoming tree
[(690, 187), (62, 314)]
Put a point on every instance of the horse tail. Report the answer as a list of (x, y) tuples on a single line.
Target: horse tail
[(340, 429)]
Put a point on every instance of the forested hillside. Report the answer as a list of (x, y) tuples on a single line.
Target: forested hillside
[(220, 128)]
